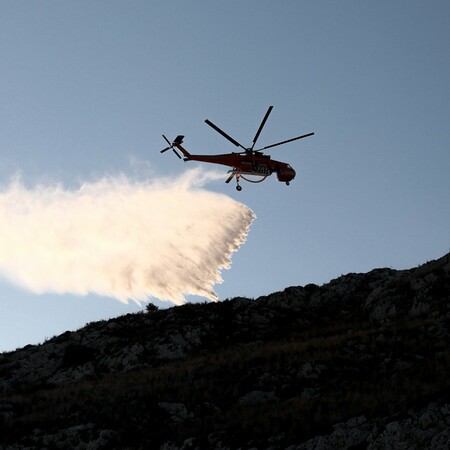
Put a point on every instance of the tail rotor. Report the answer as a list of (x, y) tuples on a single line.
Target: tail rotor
[(170, 147)]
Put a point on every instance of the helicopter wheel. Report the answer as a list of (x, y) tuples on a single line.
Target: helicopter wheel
[(287, 183), (239, 188)]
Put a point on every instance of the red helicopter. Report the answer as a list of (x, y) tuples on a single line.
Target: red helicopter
[(249, 162)]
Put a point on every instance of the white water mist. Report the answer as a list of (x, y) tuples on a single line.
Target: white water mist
[(120, 238)]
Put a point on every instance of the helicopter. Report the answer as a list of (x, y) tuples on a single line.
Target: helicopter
[(249, 162)]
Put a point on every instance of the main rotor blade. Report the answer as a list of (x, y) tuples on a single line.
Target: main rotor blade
[(225, 135), (261, 126), (285, 142)]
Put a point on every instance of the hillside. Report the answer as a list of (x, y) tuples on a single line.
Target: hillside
[(360, 362)]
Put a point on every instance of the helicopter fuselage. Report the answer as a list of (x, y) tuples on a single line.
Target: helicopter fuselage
[(250, 161), (256, 164)]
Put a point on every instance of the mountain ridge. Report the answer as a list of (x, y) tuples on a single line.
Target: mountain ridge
[(361, 361)]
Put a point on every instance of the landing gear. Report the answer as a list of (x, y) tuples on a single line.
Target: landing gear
[(287, 183), (238, 186)]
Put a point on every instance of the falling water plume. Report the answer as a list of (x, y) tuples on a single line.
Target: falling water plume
[(120, 238)]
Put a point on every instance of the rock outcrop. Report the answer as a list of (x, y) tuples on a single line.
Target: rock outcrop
[(360, 362)]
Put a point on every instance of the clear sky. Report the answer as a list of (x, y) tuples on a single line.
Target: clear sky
[(88, 87)]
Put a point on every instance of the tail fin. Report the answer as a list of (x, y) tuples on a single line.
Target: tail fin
[(177, 143), (178, 140)]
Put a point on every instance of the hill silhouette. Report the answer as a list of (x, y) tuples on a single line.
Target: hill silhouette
[(359, 362)]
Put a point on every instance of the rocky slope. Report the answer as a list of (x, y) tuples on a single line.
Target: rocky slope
[(360, 362)]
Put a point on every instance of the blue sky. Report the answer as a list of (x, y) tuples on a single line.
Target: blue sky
[(87, 88)]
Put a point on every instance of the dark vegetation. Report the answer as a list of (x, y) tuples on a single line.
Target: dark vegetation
[(265, 373)]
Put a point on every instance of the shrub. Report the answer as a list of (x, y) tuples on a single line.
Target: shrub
[(151, 308)]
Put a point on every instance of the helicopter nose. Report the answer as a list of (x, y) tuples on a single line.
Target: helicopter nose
[(286, 175)]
